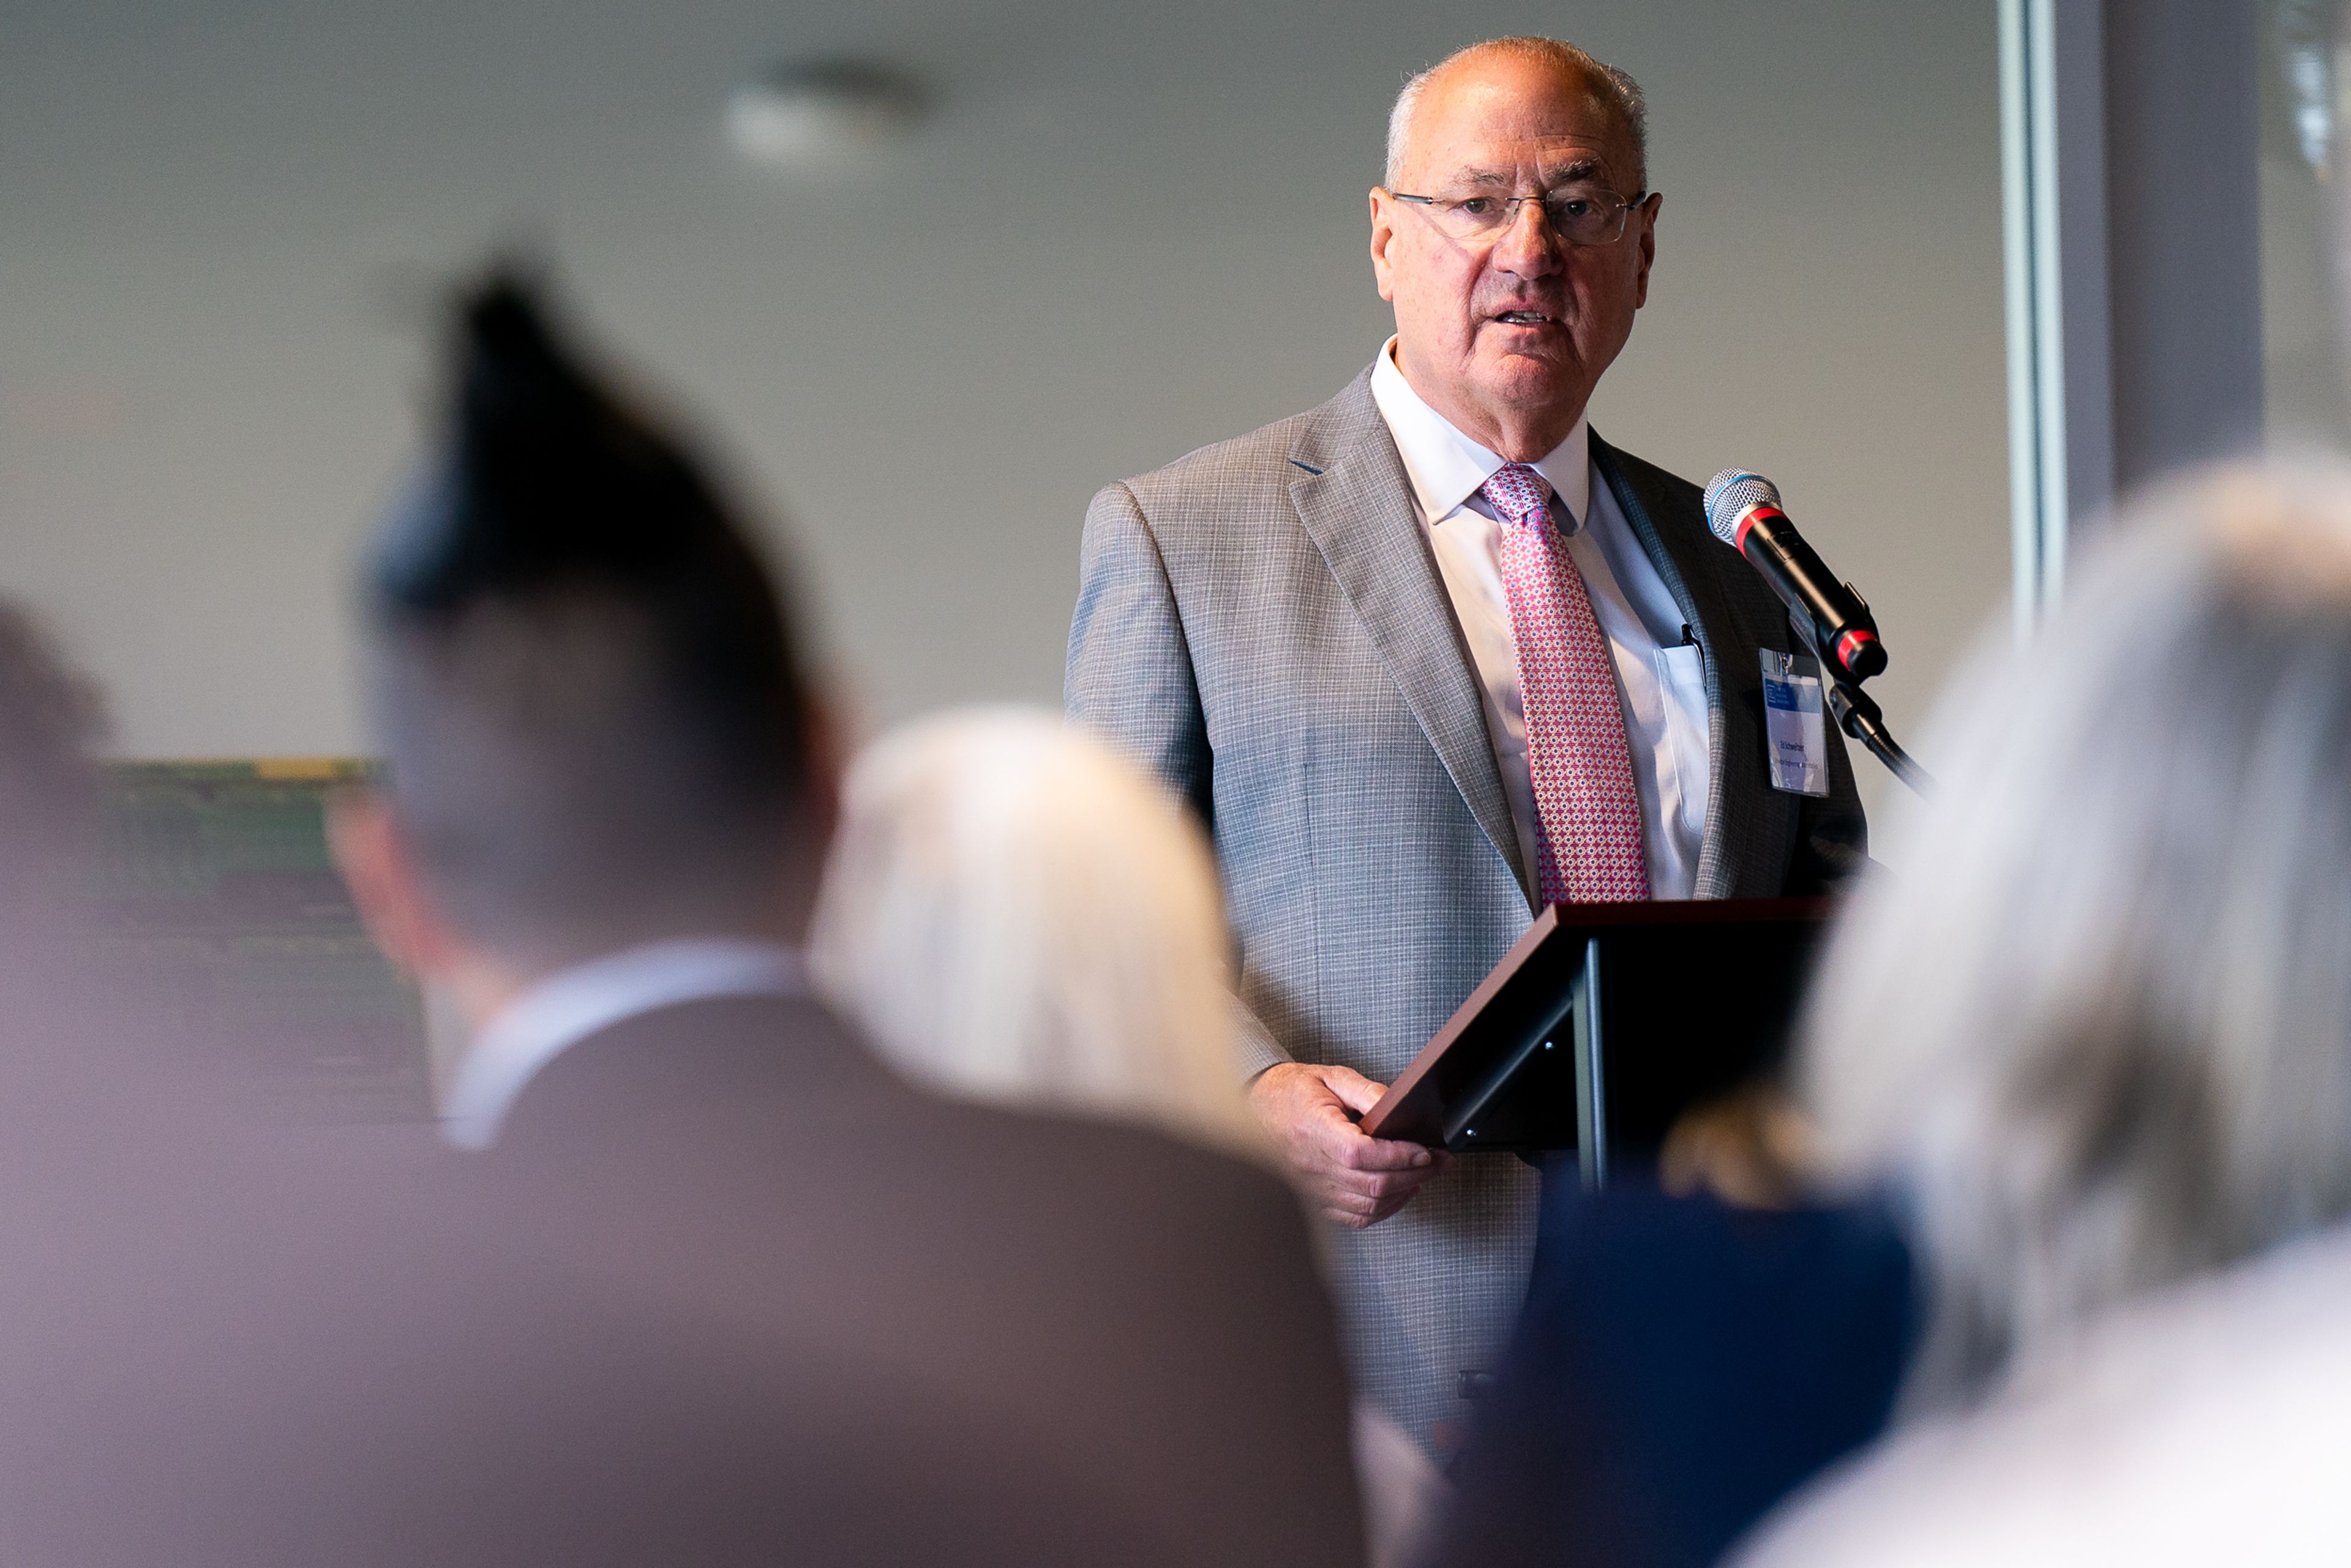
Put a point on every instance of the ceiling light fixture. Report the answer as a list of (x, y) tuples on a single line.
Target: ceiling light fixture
[(823, 113)]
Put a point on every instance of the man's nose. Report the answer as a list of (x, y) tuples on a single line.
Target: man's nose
[(1529, 246)]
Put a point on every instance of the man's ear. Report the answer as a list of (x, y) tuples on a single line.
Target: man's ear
[(830, 747), (1654, 204), (1382, 237), (815, 817), (369, 849)]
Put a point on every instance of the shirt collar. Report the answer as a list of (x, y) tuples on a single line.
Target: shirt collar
[(567, 1006), (1446, 467)]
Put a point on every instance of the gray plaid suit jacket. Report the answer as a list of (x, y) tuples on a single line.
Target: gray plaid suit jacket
[(1262, 623)]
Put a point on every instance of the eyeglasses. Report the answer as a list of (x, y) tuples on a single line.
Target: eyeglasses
[(1580, 214)]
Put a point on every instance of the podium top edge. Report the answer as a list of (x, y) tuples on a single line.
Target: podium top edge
[(1598, 918), (1572, 923)]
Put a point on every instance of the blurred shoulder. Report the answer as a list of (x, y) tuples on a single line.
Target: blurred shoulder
[(2160, 1433), (1138, 1176)]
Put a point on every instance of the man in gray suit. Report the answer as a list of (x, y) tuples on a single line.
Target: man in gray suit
[(1433, 654)]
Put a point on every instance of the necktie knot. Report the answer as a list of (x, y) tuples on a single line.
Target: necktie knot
[(1519, 494)]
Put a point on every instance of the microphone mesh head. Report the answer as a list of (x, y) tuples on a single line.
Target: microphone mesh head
[(1732, 494)]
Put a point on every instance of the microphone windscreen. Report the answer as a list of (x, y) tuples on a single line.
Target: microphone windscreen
[(1731, 495)]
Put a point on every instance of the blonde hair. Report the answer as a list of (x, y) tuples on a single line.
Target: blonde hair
[(2099, 1030), (1015, 913)]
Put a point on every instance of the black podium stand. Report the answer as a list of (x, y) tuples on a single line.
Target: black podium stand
[(1604, 1023)]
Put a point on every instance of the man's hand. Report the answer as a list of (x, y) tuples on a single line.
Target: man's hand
[(1351, 1178)]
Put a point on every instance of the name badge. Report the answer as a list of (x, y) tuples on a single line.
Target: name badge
[(1795, 727)]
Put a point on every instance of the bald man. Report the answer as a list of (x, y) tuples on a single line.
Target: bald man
[(1434, 655)]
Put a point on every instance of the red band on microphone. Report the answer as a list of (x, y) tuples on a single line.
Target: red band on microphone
[(1850, 644), (1747, 521)]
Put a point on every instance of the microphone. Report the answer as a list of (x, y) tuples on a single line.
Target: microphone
[(1743, 510)]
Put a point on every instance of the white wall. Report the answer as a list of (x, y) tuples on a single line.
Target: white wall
[(1132, 230)]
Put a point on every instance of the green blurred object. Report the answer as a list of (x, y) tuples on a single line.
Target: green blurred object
[(219, 889)]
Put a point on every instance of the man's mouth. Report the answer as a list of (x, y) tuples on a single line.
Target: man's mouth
[(1526, 319)]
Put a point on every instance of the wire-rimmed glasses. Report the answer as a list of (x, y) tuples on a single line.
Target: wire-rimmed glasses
[(1581, 212)]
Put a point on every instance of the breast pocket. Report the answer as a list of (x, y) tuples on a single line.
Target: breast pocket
[(1681, 675)]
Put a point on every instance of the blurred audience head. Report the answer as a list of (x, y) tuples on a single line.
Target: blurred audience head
[(50, 718), (596, 725), (2098, 1028), (1015, 913), (56, 1045)]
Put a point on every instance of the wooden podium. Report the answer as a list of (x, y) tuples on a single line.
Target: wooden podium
[(1607, 1021)]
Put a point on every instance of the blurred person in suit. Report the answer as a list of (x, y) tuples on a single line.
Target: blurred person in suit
[(226, 1341), (1434, 655), (607, 799), (1684, 1363), (2094, 1038), (1016, 912)]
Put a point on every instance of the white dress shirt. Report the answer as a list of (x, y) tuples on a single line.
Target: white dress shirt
[(569, 1006), (1662, 677)]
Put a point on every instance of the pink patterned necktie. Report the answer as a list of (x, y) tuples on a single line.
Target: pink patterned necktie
[(1588, 846)]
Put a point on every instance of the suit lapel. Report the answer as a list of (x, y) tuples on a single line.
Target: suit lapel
[(1675, 543), (1354, 500)]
